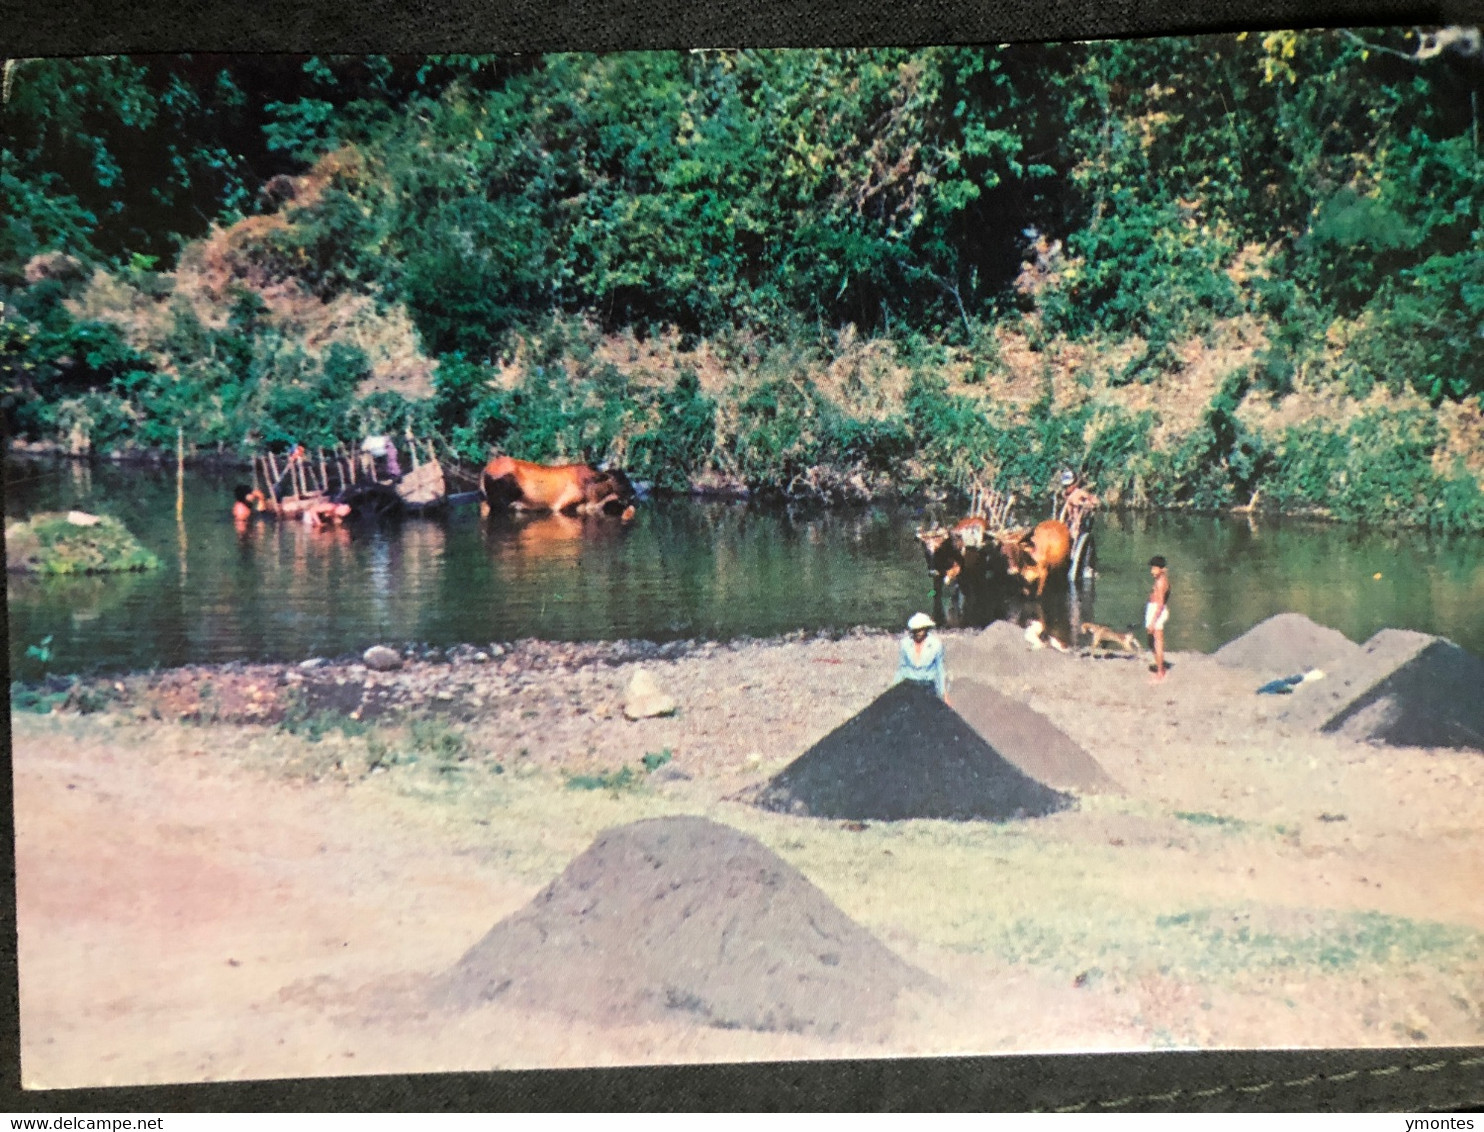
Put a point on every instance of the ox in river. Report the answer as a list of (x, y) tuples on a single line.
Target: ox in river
[(1036, 555), (964, 563), (571, 489)]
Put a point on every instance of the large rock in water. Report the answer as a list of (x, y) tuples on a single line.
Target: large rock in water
[(684, 918), (1406, 689), (74, 543), (907, 755)]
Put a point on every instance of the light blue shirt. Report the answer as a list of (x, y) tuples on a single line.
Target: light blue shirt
[(923, 665)]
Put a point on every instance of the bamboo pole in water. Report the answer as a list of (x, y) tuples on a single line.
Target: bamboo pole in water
[(180, 495)]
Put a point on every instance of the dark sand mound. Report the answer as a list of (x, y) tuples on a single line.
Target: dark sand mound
[(684, 918), (907, 755), (1403, 689), (1286, 644), (1029, 740)]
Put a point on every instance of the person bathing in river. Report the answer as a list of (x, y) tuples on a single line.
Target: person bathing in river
[(920, 660), (325, 511), (1157, 612), (244, 500)]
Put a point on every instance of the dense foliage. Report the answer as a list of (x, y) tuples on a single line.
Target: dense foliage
[(1328, 186)]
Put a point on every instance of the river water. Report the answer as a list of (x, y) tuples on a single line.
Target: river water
[(681, 569)]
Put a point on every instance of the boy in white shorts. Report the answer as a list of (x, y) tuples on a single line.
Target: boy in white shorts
[(1157, 612)]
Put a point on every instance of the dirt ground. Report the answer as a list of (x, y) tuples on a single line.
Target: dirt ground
[(253, 871)]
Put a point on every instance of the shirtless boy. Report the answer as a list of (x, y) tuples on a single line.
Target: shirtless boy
[(1157, 612), (1079, 503)]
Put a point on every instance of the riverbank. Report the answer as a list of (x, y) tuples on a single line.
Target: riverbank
[(849, 420), (313, 843)]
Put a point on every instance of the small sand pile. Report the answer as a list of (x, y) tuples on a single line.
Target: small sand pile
[(907, 755), (1029, 740), (683, 918), (1002, 656), (1285, 645), (1403, 689)]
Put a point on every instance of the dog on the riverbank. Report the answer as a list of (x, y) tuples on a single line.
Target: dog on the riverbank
[(1102, 634)]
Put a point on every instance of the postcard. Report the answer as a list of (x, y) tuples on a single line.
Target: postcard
[(569, 560)]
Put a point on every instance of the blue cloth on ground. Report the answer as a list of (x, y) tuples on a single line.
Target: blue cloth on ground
[(1283, 686)]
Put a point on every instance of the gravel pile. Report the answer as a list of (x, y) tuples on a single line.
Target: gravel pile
[(1402, 689), (1287, 644), (907, 755), (1029, 740), (681, 917)]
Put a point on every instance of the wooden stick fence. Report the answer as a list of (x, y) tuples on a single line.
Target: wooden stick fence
[(990, 504)]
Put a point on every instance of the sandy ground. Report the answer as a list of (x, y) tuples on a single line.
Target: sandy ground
[(224, 873)]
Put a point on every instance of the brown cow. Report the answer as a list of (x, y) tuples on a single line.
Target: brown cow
[(516, 485), (1036, 555)]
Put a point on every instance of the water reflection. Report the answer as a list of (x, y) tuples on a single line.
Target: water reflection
[(679, 569)]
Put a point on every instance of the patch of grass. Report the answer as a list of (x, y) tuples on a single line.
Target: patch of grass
[(89, 699), (623, 779), (300, 721), (656, 759), (437, 740), (1201, 818), (1227, 941), (38, 701), (380, 754)]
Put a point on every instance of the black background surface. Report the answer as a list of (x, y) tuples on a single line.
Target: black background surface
[(1314, 1080)]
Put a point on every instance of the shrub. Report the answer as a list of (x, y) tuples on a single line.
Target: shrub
[(1423, 330), (681, 439), (52, 544), (1377, 470)]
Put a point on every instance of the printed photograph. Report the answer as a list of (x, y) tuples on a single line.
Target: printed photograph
[(706, 556)]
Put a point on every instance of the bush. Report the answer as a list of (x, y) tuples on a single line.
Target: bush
[(681, 439), (781, 430), (1423, 330), (1378, 470), (1142, 271)]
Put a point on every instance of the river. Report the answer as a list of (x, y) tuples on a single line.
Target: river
[(681, 569)]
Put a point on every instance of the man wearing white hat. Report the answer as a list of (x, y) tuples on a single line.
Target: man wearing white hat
[(921, 659)]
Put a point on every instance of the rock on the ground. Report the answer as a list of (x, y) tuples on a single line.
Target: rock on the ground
[(379, 658), (644, 699)]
